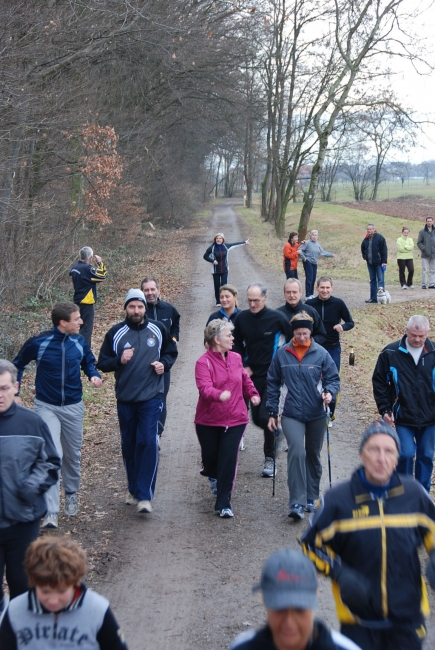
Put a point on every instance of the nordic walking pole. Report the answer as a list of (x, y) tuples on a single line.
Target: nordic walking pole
[(328, 417), (274, 463)]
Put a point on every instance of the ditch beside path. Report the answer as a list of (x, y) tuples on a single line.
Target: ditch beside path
[(185, 576)]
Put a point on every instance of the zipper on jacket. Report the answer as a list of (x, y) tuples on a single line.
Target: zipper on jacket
[(384, 594)]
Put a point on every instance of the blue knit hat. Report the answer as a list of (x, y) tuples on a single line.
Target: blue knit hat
[(380, 427)]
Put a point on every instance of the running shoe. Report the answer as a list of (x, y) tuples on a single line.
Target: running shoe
[(311, 506), (242, 444), (226, 513), (71, 505), (50, 520), (130, 500), (144, 506), (296, 512), (268, 468)]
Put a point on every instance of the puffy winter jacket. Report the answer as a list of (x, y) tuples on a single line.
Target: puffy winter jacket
[(213, 375), (29, 465), (59, 358), (305, 381)]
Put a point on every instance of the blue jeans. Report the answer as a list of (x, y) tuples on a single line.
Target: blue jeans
[(310, 277), (419, 442), (334, 352), (376, 275), (138, 422)]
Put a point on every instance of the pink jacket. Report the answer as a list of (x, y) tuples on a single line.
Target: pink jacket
[(213, 375)]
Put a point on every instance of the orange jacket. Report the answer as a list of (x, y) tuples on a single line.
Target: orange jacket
[(291, 253)]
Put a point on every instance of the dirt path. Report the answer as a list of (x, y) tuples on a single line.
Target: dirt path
[(184, 577)]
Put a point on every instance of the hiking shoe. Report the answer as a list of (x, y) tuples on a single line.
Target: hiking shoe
[(268, 468), (50, 520), (71, 505), (213, 486), (296, 512), (242, 444), (226, 513), (144, 506), (4, 605), (130, 500), (311, 506)]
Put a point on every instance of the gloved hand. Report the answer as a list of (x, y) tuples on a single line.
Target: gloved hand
[(355, 590), (430, 569)]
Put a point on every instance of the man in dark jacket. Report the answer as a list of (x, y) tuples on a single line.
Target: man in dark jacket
[(403, 388), (366, 536), (426, 244), (258, 332), (85, 278), (375, 252), (294, 305), (60, 354), (289, 589), (29, 465), (139, 351), (336, 319), (167, 314)]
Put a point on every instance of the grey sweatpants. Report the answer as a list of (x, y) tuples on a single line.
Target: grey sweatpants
[(304, 468), (66, 428)]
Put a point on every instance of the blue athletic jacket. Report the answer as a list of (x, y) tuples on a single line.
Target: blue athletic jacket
[(59, 358)]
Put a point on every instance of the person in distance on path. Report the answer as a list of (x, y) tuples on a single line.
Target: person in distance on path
[(85, 277), (336, 319), (366, 536), (29, 465), (294, 305), (310, 252), (217, 255), (403, 388), (139, 351), (258, 333), (374, 251), (166, 313), (426, 244), (59, 612), (60, 354), (291, 255), (289, 588), (310, 379), (221, 413)]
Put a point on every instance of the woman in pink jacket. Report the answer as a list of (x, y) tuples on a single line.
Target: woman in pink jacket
[(221, 413)]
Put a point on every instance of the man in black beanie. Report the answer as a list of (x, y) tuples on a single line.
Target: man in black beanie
[(366, 536)]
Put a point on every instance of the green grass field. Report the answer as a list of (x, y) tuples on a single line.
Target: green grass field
[(389, 190)]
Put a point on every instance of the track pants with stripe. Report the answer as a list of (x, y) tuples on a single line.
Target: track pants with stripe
[(138, 423)]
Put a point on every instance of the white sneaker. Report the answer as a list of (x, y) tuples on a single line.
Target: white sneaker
[(404, 286), (144, 506), (242, 444), (330, 424), (50, 520), (130, 500)]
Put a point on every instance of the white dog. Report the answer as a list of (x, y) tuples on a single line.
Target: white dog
[(383, 296)]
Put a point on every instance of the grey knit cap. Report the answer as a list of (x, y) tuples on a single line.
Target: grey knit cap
[(380, 427), (134, 294)]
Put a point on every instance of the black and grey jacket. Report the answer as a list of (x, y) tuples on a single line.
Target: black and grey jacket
[(220, 254), (29, 465), (166, 314), (426, 242), (137, 381), (87, 622)]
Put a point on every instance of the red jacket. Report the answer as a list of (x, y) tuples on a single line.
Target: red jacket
[(213, 375), (291, 253)]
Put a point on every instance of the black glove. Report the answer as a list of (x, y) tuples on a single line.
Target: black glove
[(430, 569), (355, 590)]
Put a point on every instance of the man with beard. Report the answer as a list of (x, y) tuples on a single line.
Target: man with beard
[(139, 351)]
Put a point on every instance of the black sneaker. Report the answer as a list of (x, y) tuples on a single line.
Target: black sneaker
[(423, 286), (368, 301)]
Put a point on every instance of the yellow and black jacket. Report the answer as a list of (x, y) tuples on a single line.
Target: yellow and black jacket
[(380, 538), (85, 278)]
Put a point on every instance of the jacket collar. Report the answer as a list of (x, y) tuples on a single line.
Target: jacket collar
[(361, 495), (35, 606), (135, 327), (10, 412)]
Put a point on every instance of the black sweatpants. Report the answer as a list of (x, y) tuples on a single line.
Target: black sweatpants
[(220, 453), (218, 280), (14, 541), (260, 416), (406, 636), (87, 316)]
